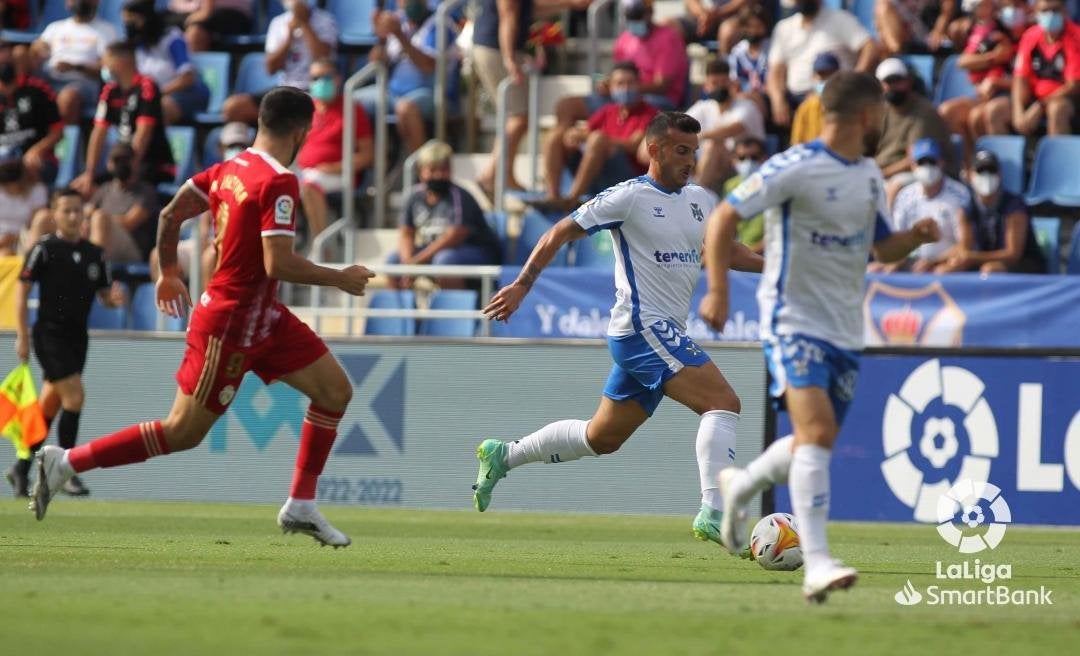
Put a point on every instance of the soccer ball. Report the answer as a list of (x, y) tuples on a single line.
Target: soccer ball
[(774, 543)]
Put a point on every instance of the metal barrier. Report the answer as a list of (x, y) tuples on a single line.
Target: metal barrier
[(501, 115), (486, 275), (592, 21), (342, 225), (441, 16), (376, 70)]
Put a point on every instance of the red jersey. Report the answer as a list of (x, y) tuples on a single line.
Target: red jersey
[(609, 119), (251, 196), (1048, 66), (323, 143)]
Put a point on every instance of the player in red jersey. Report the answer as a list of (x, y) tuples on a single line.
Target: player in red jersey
[(238, 325)]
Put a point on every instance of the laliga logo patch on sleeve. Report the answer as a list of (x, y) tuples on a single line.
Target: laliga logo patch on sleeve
[(283, 210), (749, 188)]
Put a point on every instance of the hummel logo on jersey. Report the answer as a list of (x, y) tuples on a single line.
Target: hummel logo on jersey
[(658, 212)]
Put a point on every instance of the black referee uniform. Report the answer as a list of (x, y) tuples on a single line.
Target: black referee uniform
[(68, 274)]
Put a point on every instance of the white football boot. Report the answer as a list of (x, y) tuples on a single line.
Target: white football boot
[(733, 523), (50, 479), (306, 519), (822, 580)]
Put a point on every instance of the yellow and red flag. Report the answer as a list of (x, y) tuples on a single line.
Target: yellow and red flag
[(21, 420)]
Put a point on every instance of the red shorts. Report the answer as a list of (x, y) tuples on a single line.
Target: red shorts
[(213, 369)]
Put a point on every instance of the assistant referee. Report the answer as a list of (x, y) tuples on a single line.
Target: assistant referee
[(69, 271)]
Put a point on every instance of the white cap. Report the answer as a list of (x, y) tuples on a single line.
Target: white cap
[(235, 133), (891, 67)]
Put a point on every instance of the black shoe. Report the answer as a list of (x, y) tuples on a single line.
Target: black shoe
[(74, 487), (20, 484)]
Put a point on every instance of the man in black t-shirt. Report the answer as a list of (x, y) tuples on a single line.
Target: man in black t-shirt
[(131, 103), (69, 272), (29, 119), (442, 223)]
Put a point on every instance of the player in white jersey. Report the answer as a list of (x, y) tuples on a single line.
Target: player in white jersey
[(832, 216), (657, 225)]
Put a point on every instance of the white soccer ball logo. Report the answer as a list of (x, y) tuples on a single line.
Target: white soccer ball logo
[(956, 387), (967, 497)]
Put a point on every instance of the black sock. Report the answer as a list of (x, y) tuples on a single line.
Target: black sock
[(67, 429), (22, 467)]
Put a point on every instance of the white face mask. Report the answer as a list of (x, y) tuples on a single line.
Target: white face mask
[(745, 167), (928, 174), (985, 184), (232, 152)]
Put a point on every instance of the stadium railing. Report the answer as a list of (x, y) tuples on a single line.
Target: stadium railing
[(500, 132), (378, 72), (487, 276), (592, 22), (442, 17)]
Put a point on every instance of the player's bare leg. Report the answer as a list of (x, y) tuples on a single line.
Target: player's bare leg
[(324, 382), (563, 441), (704, 390), (815, 426), (185, 427)]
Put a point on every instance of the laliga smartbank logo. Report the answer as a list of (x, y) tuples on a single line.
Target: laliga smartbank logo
[(973, 517)]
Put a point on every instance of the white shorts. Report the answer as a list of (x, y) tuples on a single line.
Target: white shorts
[(328, 183)]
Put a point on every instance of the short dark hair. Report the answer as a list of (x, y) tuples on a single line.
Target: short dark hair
[(65, 192), (284, 110), (121, 49), (664, 121), (751, 140), (718, 67), (628, 66), (751, 11), (847, 92)]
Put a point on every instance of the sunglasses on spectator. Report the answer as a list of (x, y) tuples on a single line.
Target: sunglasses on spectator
[(752, 158), (987, 169), (893, 79)]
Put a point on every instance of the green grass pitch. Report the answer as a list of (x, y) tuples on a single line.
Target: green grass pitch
[(157, 578)]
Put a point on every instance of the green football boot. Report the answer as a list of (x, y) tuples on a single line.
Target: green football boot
[(492, 457)]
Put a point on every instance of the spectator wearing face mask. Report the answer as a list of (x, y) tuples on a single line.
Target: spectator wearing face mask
[(724, 117), (997, 237), (162, 55), (1046, 78), (806, 126), (909, 117), (750, 154), (70, 52), (799, 39), (294, 39), (32, 122), (21, 198), (932, 195), (749, 58), (605, 151), (124, 219), (442, 224), (320, 159)]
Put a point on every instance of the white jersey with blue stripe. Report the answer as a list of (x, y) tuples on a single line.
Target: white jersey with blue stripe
[(657, 238), (816, 247)]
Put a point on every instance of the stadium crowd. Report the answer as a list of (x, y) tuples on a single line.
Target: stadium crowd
[(113, 98)]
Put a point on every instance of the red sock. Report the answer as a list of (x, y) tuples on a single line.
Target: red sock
[(133, 444), (316, 438)]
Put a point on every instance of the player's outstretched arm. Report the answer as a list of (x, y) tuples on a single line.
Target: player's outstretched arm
[(899, 245), (172, 294), (720, 250), (509, 298), (282, 263)]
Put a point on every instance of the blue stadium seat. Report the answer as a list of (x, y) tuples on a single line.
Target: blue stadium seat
[(386, 300), (534, 225), (144, 312), (1053, 174), (32, 301), (1072, 267), (864, 11), (1009, 149), (252, 77), (213, 68), (923, 66), (109, 11), (354, 21), (451, 299), (182, 144), (953, 82), (595, 251), (103, 318), (69, 155), (111, 137), (772, 144), (1046, 229)]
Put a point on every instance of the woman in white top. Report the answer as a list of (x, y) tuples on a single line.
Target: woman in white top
[(162, 55), (20, 199)]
